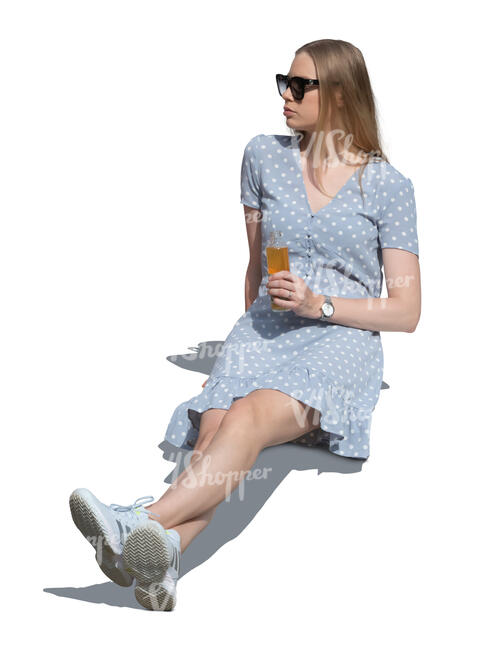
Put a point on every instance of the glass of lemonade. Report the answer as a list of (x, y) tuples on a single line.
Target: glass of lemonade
[(277, 257)]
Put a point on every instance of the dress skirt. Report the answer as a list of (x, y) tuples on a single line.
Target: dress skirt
[(332, 368)]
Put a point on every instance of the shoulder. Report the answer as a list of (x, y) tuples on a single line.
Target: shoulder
[(392, 190), (389, 179), (253, 143), (262, 149), (263, 142)]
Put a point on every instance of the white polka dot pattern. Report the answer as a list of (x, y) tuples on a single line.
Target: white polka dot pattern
[(397, 222), (250, 178), (337, 251)]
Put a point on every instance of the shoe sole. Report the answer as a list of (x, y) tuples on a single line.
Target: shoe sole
[(146, 558), (92, 525), (155, 597)]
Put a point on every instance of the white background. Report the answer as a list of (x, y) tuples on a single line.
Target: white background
[(123, 241)]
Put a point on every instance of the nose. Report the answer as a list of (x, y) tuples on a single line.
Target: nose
[(287, 94)]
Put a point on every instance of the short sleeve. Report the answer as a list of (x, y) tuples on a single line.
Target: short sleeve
[(397, 224), (250, 175)]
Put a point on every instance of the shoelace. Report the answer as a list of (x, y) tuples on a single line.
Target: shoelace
[(135, 506)]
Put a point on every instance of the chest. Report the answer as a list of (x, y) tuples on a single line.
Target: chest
[(333, 181), (313, 224)]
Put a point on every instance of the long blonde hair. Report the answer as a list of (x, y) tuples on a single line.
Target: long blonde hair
[(340, 65)]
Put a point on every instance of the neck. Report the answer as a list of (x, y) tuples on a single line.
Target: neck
[(309, 144)]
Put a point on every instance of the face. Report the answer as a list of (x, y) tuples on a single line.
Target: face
[(305, 111)]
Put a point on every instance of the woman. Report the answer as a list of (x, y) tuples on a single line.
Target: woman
[(311, 373)]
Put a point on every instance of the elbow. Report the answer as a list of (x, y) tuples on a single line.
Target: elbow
[(412, 324)]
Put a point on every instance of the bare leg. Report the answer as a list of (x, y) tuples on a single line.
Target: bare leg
[(209, 424), (265, 417)]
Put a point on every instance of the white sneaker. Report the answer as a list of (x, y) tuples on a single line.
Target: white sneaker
[(106, 529), (152, 555)]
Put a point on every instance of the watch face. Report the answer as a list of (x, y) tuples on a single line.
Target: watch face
[(327, 309)]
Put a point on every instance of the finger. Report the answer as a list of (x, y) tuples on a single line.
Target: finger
[(283, 293), (283, 301), (283, 284), (279, 292), (281, 275)]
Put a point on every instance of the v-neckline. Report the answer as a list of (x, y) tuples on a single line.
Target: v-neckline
[(303, 184)]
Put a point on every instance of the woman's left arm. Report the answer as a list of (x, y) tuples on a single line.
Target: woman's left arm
[(399, 312)]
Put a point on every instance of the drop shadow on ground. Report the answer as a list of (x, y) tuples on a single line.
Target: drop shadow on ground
[(271, 467), (234, 514)]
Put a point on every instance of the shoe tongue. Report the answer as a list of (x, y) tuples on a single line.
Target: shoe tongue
[(144, 511)]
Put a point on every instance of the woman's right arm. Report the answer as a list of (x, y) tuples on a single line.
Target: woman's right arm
[(254, 272)]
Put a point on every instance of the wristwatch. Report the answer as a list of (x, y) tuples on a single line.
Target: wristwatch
[(327, 309)]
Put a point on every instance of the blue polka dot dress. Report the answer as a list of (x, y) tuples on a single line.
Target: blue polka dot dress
[(337, 251)]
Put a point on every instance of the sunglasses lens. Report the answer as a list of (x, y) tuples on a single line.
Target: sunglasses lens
[(297, 88), (281, 83)]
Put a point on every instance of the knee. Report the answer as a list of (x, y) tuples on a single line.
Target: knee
[(242, 408), (240, 420), (240, 417)]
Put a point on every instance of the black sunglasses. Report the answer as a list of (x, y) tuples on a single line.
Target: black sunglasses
[(297, 85)]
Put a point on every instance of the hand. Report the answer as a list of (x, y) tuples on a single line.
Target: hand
[(303, 302)]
